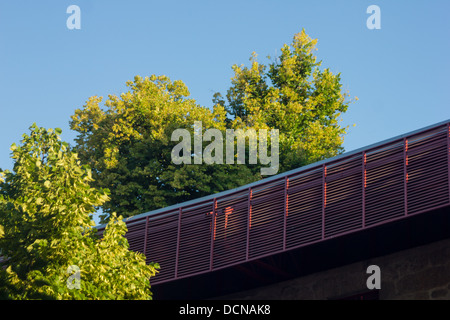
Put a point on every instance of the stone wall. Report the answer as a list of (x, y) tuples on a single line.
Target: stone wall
[(417, 273)]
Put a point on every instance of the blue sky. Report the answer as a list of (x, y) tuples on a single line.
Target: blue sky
[(400, 73)]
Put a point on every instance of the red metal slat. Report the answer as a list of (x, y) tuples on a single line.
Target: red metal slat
[(146, 233), (324, 198), (448, 160), (405, 176), (364, 184), (249, 222), (213, 233), (178, 242), (286, 207)]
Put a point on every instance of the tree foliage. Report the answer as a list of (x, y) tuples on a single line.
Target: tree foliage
[(129, 147), (128, 143), (294, 95), (46, 207)]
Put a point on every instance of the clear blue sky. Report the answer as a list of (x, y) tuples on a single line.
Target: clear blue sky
[(400, 73)]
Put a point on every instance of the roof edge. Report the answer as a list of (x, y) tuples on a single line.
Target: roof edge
[(281, 175)]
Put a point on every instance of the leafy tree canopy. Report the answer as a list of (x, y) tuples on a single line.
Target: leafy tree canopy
[(294, 95), (129, 147), (46, 207), (127, 141)]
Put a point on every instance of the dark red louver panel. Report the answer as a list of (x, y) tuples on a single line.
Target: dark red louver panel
[(304, 214), (384, 182), (162, 242), (230, 241)]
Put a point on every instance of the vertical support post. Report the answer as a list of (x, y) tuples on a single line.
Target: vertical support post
[(213, 233), (405, 174), (145, 237), (178, 243), (286, 208), (448, 159), (324, 197), (364, 176), (249, 221)]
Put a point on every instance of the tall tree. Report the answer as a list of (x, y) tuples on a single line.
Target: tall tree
[(293, 95), (128, 143), (46, 207), (129, 146)]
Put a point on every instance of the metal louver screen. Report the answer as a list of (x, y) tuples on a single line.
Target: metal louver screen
[(384, 184), (304, 212), (162, 243), (343, 196), (266, 219), (427, 183), (195, 239), (375, 185), (231, 230)]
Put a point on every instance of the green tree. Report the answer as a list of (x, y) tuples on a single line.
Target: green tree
[(46, 207), (291, 94), (129, 146), (128, 143)]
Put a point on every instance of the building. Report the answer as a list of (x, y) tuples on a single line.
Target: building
[(311, 233)]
